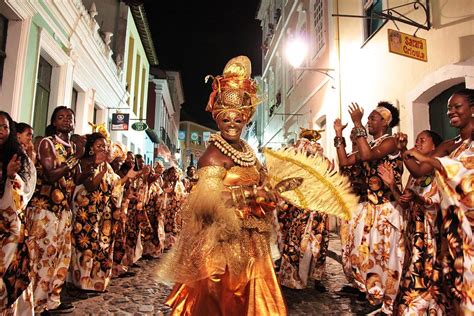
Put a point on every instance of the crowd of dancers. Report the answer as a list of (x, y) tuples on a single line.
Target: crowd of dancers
[(81, 210)]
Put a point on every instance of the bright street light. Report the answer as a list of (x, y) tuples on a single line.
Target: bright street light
[(296, 51)]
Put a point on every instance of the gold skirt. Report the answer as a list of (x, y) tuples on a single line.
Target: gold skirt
[(255, 292)]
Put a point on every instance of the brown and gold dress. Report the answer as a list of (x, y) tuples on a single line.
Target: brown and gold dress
[(15, 287), (48, 222), (456, 187), (96, 214), (222, 265), (419, 291)]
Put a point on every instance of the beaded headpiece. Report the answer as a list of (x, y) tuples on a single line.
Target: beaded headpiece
[(234, 90)]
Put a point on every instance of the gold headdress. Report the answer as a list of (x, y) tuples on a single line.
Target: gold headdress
[(117, 150), (310, 134), (234, 90), (100, 128)]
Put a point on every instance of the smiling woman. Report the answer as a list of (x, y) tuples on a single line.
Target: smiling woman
[(224, 262)]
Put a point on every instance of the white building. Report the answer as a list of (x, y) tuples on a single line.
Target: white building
[(164, 105), (56, 53), (348, 60)]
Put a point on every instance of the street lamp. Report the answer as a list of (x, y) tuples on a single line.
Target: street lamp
[(296, 51)]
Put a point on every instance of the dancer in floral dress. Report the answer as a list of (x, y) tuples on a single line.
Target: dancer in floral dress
[(420, 285), (137, 225), (174, 194), (154, 240), (305, 239), (17, 184), (454, 177), (97, 208), (349, 241), (49, 213), (380, 252)]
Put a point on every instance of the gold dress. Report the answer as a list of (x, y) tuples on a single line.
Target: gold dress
[(222, 263)]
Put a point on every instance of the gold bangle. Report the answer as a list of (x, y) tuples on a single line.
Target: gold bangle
[(243, 195), (234, 199)]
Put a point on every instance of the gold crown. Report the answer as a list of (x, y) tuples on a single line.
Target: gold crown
[(310, 134), (235, 90)]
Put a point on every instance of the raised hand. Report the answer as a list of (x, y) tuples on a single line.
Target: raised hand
[(80, 143), (402, 141), (13, 166), (385, 172), (339, 127), (356, 113)]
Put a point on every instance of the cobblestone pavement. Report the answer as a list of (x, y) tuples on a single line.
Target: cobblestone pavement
[(144, 295)]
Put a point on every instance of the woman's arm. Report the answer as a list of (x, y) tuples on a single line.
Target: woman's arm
[(47, 159), (339, 143), (425, 166), (92, 182)]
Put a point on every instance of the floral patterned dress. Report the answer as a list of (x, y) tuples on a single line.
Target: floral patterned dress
[(456, 188), (357, 177), (172, 202), (304, 237), (93, 235), (14, 260), (154, 240), (304, 245), (378, 258), (49, 220), (137, 225), (419, 292)]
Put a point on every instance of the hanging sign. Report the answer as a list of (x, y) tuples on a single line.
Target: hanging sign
[(181, 135), (194, 136), (407, 45), (120, 121), (139, 126), (206, 136)]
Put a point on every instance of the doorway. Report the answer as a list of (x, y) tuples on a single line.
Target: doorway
[(439, 121)]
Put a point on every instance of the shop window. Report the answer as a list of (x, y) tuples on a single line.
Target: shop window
[(372, 25), (74, 100), (318, 26), (43, 91)]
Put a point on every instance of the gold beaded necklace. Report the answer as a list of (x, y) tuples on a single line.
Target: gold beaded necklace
[(245, 158)]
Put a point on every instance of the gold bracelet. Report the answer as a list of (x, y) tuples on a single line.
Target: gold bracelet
[(234, 199), (71, 162), (244, 199)]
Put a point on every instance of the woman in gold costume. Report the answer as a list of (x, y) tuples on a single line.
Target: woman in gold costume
[(222, 265)]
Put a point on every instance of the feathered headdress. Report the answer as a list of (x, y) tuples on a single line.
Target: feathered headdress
[(322, 189), (234, 90)]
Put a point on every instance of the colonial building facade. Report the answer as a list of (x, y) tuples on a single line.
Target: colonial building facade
[(73, 53)]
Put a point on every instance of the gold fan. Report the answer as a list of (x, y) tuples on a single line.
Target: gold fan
[(321, 190)]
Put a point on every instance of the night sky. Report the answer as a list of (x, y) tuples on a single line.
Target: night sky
[(197, 38)]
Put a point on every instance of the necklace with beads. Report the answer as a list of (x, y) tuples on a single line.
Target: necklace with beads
[(245, 158)]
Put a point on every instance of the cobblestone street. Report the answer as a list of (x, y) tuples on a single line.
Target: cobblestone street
[(144, 295)]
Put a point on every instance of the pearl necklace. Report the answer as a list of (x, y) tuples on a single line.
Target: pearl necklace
[(244, 158)]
